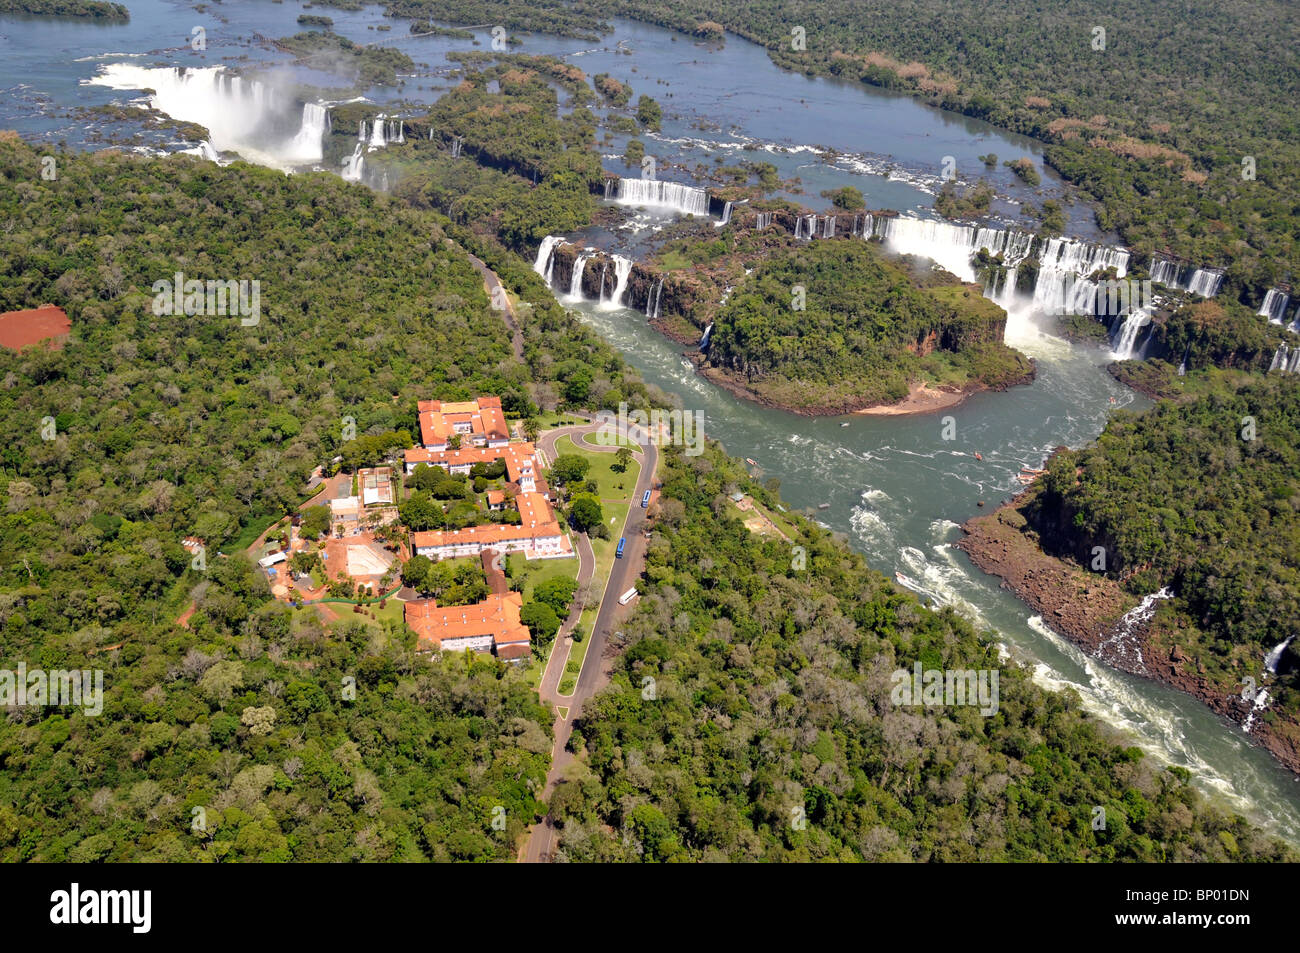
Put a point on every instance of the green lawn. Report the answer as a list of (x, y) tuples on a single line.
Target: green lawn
[(612, 485), (535, 572)]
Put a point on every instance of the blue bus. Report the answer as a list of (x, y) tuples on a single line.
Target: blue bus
[(645, 500), (622, 541)]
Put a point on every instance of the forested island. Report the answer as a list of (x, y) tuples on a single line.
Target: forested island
[(835, 327), (83, 9)]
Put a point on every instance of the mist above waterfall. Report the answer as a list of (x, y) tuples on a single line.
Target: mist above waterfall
[(259, 119)]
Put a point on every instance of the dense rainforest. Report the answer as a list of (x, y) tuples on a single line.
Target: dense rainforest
[(255, 732), (1202, 495), (837, 325), (750, 718), (145, 429)]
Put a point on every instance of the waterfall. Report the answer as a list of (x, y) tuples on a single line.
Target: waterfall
[(1182, 367), (1164, 272), (1274, 306), (243, 116), (575, 280), (1205, 282), (401, 131), (545, 263), (726, 216), (1286, 360), (1261, 701), (828, 227), (658, 292), (377, 133), (1134, 322), (704, 339), (762, 220), (659, 193), (622, 269), (361, 130), (1123, 649), (805, 227), (456, 144), (306, 146), (353, 166), (952, 246), (1275, 655)]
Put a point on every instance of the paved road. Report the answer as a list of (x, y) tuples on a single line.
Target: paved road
[(543, 838), (492, 283)]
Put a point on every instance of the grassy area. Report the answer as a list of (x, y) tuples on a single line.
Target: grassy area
[(612, 440), (535, 572), (673, 260), (611, 486), (552, 420)]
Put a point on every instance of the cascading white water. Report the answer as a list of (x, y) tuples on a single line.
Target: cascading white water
[(377, 140), (1123, 648), (1202, 281), (545, 263), (762, 220), (1134, 322), (952, 246), (658, 293), (354, 164), (726, 216), (622, 269), (1205, 282), (1165, 272), (658, 193), (1275, 305), (1275, 655), (575, 280), (243, 116), (828, 227), (306, 146)]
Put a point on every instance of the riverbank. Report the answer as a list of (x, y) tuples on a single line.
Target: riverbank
[(1085, 607)]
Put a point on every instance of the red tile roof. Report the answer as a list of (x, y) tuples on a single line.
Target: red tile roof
[(496, 616)]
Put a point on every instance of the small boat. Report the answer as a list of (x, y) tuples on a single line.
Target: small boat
[(907, 582), (823, 506), (845, 424), (979, 456), (750, 461)]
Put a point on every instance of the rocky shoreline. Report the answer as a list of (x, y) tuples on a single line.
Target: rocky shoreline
[(1084, 607)]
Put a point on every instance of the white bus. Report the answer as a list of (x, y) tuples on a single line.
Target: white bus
[(627, 597)]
